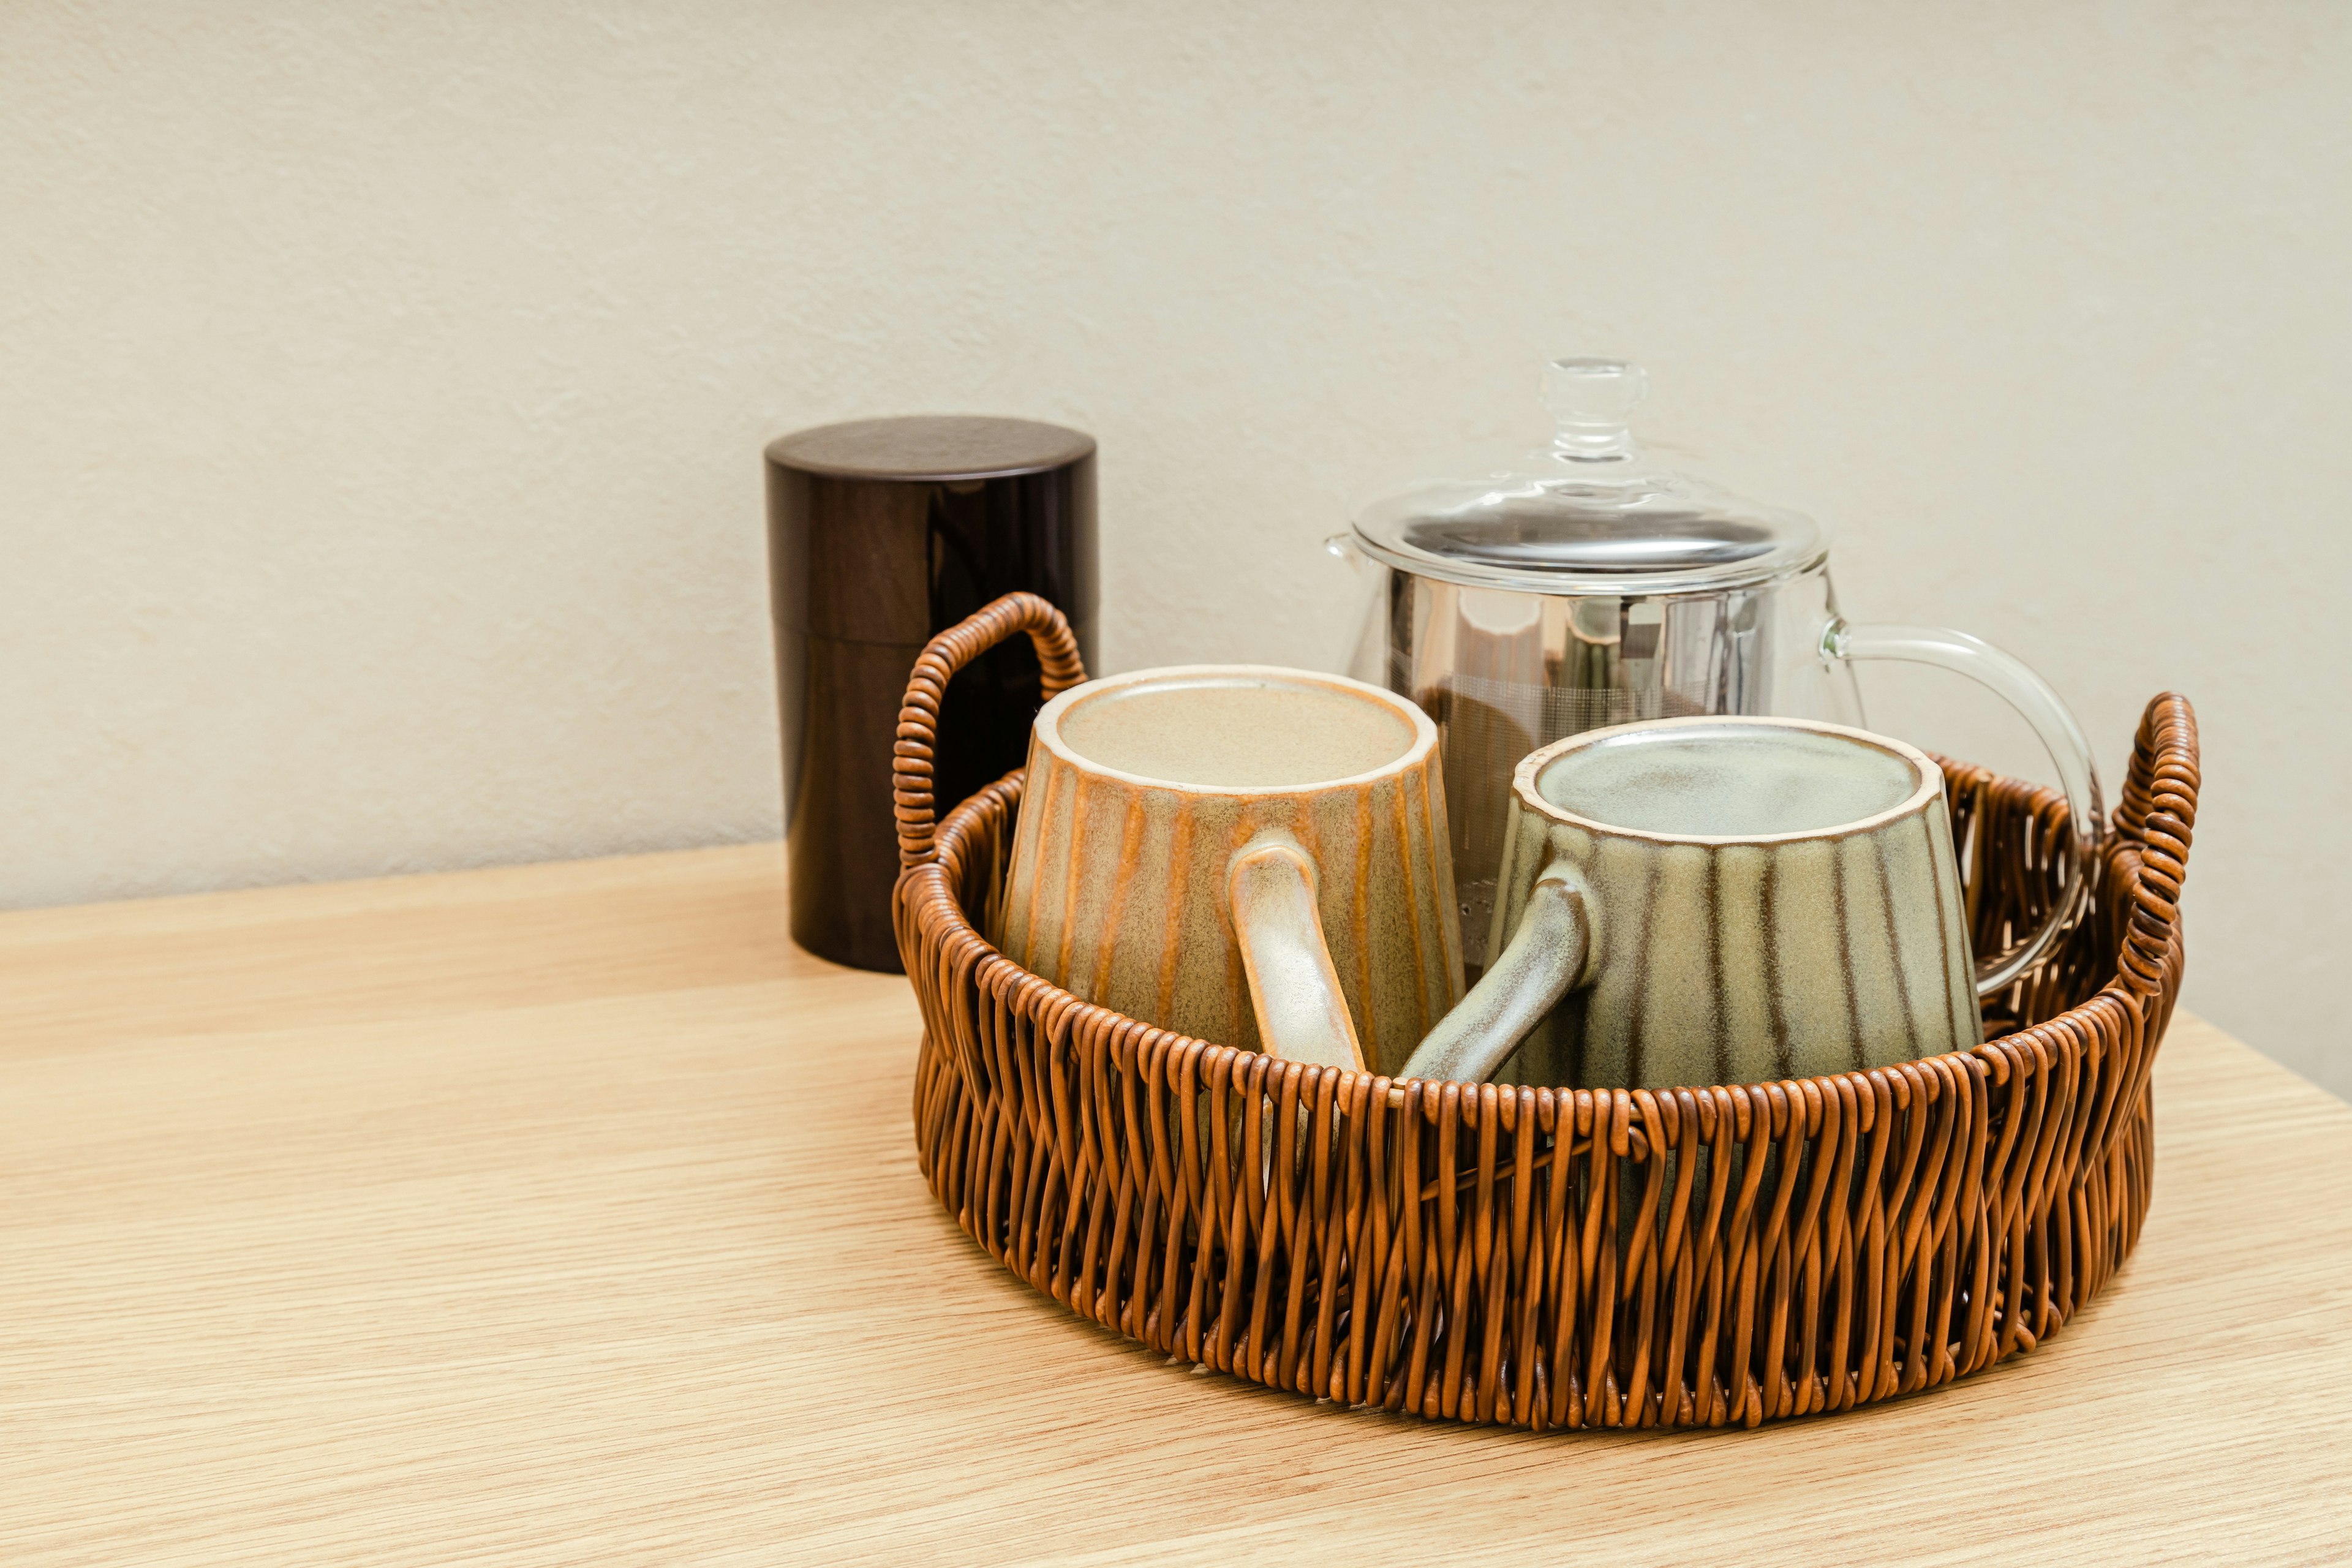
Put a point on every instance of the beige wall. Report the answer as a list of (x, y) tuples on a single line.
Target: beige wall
[(384, 386)]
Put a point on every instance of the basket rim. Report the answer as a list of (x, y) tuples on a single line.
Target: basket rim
[(1991, 1058)]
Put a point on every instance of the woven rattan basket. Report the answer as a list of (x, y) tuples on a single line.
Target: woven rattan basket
[(1541, 1258)]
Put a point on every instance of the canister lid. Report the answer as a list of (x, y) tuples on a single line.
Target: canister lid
[(931, 447), (1589, 514)]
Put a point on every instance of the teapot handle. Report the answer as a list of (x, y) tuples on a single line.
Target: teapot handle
[(2042, 709)]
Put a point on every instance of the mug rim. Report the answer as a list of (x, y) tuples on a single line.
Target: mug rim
[(1930, 777), (1047, 727)]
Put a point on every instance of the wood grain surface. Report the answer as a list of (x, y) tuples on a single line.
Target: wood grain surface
[(568, 1214)]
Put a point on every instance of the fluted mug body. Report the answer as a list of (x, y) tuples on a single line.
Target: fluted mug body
[(1719, 901), (1251, 856)]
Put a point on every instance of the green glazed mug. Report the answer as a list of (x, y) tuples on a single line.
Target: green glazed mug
[(1717, 900)]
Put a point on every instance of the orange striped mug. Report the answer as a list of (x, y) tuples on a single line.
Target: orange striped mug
[(1251, 856)]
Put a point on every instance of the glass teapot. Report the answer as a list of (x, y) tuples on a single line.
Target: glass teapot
[(1593, 586)]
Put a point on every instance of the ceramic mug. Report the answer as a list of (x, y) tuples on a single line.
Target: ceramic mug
[(1251, 856), (1717, 900)]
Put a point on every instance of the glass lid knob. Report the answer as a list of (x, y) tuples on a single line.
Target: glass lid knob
[(1594, 401)]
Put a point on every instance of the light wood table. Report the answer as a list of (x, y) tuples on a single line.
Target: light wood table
[(568, 1214)]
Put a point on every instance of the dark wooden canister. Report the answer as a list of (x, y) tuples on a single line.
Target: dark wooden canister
[(882, 533)]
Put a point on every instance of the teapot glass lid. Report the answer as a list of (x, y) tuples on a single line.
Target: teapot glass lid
[(1588, 514)]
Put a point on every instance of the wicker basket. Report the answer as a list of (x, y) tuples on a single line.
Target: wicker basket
[(1541, 1258)]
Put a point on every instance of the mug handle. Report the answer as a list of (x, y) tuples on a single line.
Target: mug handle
[(1543, 961), (1302, 1015), (2052, 723)]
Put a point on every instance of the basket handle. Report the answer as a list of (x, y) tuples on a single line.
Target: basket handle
[(918, 716), (2157, 814)]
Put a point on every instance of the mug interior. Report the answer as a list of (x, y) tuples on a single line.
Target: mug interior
[(1717, 778), (1237, 729)]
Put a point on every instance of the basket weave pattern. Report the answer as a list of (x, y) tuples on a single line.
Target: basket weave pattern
[(1555, 1258)]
